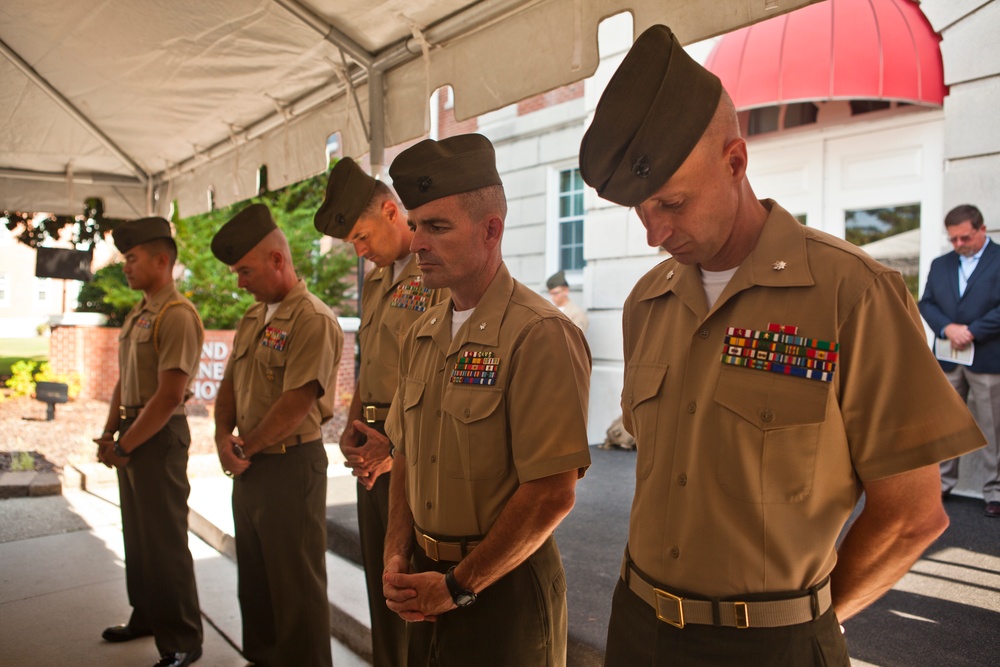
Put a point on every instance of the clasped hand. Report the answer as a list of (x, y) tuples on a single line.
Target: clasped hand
[(232, 464), (369, 460), (422, 596), (106, 452)]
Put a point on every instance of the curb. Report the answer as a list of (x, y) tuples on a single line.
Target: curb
[(29, 484)]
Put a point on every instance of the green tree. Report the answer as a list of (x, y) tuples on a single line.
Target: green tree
[(108, 293), (87, 228), (207, 281), (212, 287), (864, 227)]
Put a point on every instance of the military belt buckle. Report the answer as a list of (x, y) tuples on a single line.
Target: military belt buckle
[(673, 601), (121, 412), (430, 544), (742, 615), (370, 414)]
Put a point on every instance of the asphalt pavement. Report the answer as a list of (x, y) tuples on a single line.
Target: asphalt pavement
[(946, 611)]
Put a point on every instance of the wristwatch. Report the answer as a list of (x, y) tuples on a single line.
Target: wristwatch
[(460, 596), (117, 449)]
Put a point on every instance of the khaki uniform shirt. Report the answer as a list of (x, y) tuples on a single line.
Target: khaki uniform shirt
[(389, 305), (576, 314), (179, 337), (745, 477), (301, 343), (521, 414)]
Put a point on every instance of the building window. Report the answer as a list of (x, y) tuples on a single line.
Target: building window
[(801, 113), (41, 291), (859, 107), (4, 290), (774, 118), (570, 220), (871, 229)]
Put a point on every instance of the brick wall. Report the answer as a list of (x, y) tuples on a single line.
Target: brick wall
[(447, 125), (551, 98), (92, 353)]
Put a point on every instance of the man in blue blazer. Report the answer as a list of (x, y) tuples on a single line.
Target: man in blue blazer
[(961, 303)]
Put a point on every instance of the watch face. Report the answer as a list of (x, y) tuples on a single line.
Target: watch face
[(460, 596)]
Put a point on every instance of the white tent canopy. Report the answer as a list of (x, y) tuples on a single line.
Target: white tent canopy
[(143, 102)]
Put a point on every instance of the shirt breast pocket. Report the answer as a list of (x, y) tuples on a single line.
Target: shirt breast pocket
[(480, 432), (768, 437), (643, 384), (271, 366), (413, 399), (142, 336)]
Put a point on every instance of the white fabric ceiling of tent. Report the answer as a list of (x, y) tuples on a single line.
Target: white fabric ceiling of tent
[(144, 102)]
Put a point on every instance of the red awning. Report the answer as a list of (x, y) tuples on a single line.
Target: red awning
[(838, 49)]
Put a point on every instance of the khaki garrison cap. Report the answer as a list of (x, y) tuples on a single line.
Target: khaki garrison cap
[(348, 192), (239, 236), (431, 169), (136, 232), (649, 119), (556, 280)]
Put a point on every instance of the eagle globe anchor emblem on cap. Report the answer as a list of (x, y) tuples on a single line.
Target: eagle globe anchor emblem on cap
[(640, 166)]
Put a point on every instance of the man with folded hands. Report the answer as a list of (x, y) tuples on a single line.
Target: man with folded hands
[(482, 475), (278, 389), (773, 373)]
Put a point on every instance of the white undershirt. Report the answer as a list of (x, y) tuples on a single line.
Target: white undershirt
[(458, 318), (398, 266), (271, 309), (713, 282)]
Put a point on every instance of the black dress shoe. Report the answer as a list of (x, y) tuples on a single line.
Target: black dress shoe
[(178, 659), (123, 633), (992, 509)]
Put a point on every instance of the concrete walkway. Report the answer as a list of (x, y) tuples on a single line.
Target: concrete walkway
[(62, 577)]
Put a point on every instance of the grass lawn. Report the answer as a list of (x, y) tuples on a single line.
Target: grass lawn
[(15, 349)]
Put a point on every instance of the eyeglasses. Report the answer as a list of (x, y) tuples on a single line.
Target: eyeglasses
[(955, 240)]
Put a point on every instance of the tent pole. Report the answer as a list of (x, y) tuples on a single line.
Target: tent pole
[(376, 121)]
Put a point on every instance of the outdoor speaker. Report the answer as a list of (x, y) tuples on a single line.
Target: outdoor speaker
[(63, 263)]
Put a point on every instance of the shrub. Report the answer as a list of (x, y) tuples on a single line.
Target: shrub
[(22, 462), (25, 374), (22, 378)]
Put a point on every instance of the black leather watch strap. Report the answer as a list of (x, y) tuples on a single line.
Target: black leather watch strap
[(460, 596)]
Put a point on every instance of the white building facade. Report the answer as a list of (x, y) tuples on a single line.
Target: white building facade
[(902, 156)]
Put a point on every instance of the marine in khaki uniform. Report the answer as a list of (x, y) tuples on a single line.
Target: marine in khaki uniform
[(365, 212), (158, 353), (773, 373), (559, 293), (278, 388), (488, 471)]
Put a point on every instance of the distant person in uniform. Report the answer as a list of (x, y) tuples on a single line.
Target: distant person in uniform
[(482, 473), (559, 291), (773, 373), (158, 353), (278, 388), (961, 303), (364, 212)]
